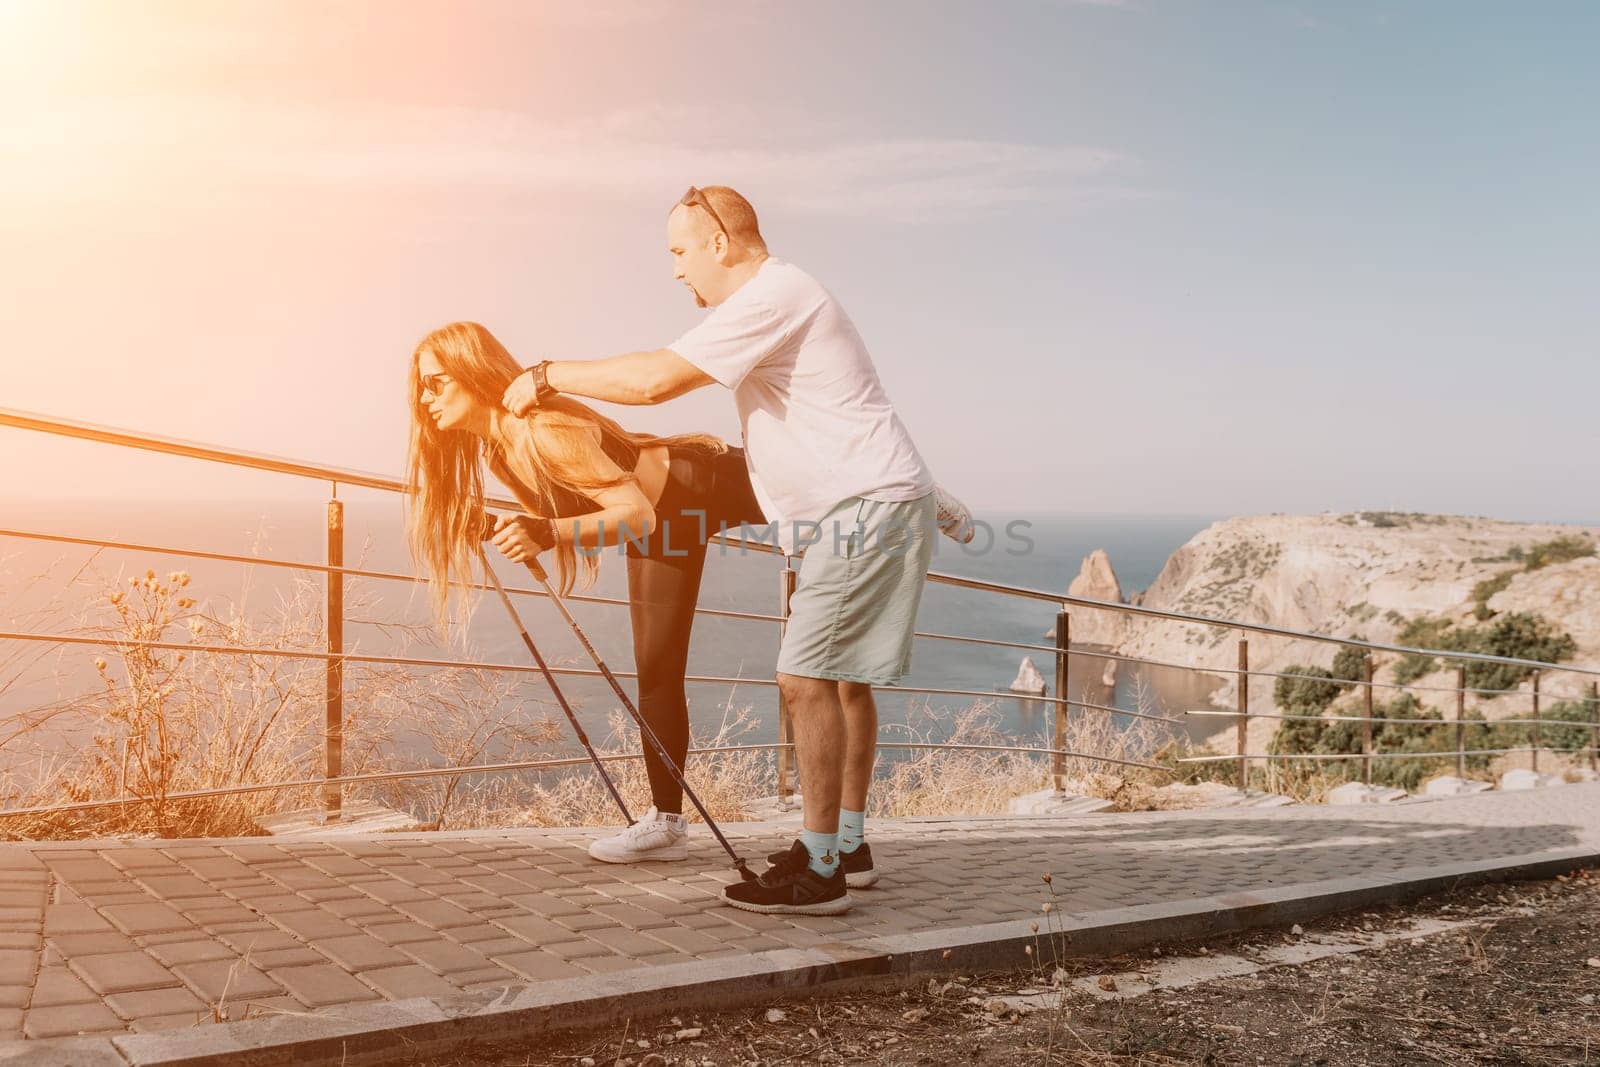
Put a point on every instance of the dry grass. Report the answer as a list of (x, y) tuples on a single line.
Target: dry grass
[(163, 722), (918, 782), (726, 782), (955, 782)]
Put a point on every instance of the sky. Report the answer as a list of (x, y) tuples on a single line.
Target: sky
[(1151, 256)]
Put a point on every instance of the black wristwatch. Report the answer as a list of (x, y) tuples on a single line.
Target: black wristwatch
[(541, 387)]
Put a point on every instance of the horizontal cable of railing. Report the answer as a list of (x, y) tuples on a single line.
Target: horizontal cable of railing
[(1279, 631), (547, 764), (321, 472), (1448, 755), (1218, 713), (1090, 653), (1409, 687), (1234, 672), (359, 572), (483, 665), (349, 572)]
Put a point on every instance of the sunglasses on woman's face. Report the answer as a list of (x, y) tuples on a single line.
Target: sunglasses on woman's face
[(433, 385)]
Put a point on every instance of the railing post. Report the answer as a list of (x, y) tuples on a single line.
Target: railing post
[(1536, 718), (1058, 762), (1366, 722), (786, 583), (1594, 726), (122, 775), (1241, 737), (1461, 714), (333, 728)]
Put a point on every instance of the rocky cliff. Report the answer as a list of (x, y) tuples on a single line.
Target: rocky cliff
[(1363, 575)]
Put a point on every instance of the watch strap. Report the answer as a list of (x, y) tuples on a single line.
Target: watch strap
[(541, 385)]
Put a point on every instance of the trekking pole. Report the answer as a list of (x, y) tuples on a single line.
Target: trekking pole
[(645, 730), (561, 699)]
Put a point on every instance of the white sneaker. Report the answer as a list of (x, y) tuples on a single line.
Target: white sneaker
[(656, 836)]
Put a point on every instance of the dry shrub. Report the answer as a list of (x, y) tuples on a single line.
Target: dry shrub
[(726, 782), (950, 781), (977, 782), (171, 721)]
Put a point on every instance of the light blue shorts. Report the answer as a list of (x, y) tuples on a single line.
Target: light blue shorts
[(854, 609)]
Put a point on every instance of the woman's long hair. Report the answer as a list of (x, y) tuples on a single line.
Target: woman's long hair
[(544, 459)]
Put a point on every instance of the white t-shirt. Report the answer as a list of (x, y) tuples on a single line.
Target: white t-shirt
[(818, 426)]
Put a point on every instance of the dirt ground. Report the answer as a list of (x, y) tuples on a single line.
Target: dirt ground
[(1504, 974)]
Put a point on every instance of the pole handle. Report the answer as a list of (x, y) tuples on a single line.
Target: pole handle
[(486, 526)]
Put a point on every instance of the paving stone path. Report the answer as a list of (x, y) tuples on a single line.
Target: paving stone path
[(116, 936)]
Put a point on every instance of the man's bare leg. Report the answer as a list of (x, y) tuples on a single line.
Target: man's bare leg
[(819, 743), (809, 878), (861, 745), (860, 755)]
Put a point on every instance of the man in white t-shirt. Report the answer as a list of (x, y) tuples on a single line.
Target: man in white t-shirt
[(839, 478)]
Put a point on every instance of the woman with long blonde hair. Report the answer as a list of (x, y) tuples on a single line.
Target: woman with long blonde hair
[(585, 483)]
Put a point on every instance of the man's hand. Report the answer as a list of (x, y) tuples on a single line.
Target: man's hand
[(522, 395), (521, 539)]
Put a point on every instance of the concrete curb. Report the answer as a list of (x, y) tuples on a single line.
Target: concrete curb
[(394, 1030)]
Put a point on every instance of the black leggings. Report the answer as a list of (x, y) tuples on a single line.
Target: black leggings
[(702, 493)]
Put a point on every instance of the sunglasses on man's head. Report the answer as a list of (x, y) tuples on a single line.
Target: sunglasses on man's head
[(695, 198)]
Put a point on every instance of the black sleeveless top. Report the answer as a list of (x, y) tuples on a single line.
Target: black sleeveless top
[(623, 453), (564, 503)]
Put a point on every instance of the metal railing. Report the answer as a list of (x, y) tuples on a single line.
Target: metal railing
[(333, 654), (1458, 752)]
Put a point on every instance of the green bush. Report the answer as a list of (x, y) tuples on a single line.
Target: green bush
[(1420, 632), (1560, 550), (1350, 664), (1412, 667), (1307, 695), (1551, 733), (1518, 635), (1329, 737), (1486, 589)]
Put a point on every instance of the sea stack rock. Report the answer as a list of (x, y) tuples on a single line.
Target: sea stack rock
[(1028, 680), (1096, 580)]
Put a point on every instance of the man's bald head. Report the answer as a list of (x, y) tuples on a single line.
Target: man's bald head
[(710, 208), (715, 241)]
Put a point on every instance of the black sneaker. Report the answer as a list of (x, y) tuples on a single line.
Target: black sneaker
[(791, 887), (857, 866)]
